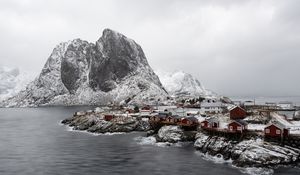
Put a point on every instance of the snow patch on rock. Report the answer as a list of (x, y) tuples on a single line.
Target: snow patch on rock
[(170, 134), (181, 83)]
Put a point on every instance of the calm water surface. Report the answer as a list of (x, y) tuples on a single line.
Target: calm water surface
[(33, 142)]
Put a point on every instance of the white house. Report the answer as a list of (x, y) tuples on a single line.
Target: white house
[(211, 105)]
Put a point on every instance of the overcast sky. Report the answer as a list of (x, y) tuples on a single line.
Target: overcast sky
[(233, 47)]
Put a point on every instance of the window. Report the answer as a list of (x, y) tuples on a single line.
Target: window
[(267, 131), (278, 131), (239, 128), (202, 124), (230, 128)]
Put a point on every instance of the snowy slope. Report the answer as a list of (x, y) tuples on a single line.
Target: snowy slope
[(77, 72), (181, 83), (13, 81)]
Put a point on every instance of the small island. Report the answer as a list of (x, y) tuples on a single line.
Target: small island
[(247, 134)]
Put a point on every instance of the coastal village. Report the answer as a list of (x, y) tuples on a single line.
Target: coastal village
[(216, 116)]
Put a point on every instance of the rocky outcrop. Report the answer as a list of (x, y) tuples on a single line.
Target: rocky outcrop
[(77, 72), (96, 124), (173, 134), (248, 153)]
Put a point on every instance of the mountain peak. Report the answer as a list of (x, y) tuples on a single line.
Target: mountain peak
[(181, 83), (112, 35), (79, 72), (109, 32)]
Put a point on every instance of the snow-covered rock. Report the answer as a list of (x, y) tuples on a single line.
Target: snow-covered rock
[(94, 123), (170, 134), (13, 81), (173, 134), (247, 153), (181, 83), (78, 72)]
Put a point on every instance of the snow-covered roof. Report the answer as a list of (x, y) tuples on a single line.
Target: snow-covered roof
[(240, 122), (191, 118), (278, 125), (280, 119), (233, 107), (230, 107), (193, 112)]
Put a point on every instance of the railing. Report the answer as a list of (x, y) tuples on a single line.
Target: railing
[(223, 130)]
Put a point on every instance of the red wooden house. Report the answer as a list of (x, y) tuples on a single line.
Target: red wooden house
[(189, 121), (161, 117), (276, 130), (146, 108), (172, 119), (130, 111), (237, 126), (237, 112), (108, 117), (204, 124), (210, 123)]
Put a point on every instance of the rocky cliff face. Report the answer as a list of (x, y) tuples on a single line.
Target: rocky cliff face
[(78, 72)]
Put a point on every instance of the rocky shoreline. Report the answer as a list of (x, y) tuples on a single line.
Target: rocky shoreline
[(95, 124), (253, 152)]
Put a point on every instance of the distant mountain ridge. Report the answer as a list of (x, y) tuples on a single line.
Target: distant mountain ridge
[(12, 81), (77, 72), (180, 83)]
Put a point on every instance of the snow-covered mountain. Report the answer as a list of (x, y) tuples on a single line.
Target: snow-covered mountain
[(13, 81), (77, 72), (180, 83)]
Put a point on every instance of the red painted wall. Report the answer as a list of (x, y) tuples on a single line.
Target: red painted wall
[(204, 124), (234, 127), (237, 113), (272, 133), (108, 117)]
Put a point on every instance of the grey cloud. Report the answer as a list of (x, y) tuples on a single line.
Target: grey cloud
[(233, 47)]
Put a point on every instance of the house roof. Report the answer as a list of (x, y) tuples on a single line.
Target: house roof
[(163, 113), (213, 120), (191, 118), (174, 116), (280, 120), (278, 125), (233, 107), (162, 116), (240, 122)]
